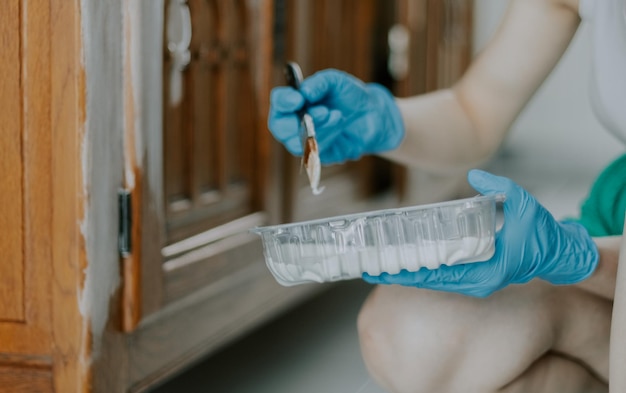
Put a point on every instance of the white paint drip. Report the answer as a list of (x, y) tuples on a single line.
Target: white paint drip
[(313, 170)]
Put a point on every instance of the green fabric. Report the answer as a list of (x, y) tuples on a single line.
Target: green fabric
[(602, 213)]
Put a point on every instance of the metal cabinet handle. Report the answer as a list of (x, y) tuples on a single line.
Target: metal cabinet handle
[(398, 39), (179, 32)]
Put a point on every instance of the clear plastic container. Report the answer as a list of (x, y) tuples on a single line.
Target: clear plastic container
[(345, 247)]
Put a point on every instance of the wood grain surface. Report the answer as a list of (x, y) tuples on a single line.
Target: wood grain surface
[(11, 165)]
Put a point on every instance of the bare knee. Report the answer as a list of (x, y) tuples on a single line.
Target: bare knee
[(405, 353), (415, 340)]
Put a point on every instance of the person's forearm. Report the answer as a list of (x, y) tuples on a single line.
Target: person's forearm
[(440, 135), (458, 128), (602, 281)]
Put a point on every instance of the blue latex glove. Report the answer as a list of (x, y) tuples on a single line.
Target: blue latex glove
[(530, 244), (351, 118)]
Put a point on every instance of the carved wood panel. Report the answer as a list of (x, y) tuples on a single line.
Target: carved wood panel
[(210, 133)]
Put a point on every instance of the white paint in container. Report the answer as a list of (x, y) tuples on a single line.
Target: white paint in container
[(386, 241), (374, 260)]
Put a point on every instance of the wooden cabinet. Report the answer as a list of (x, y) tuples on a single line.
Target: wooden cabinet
[(43, 345), (145, 122)]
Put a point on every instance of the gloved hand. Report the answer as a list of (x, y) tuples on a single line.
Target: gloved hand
[(530, 244), (351, 118)]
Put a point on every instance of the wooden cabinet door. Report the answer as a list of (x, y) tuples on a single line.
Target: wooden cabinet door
[(25, 206), (202, 182), (24, 169), (214, 143), (211, 133), (205, 175), (195, 276), (45, 341)]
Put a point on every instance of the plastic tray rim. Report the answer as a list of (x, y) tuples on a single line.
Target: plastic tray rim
[(377, 213)]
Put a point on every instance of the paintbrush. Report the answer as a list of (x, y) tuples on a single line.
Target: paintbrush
[(310, 152)]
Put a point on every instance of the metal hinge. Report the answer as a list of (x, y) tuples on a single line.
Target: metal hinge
[(126, 220)]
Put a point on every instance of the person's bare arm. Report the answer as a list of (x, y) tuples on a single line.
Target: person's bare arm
[(457, 128), (602, 282)]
